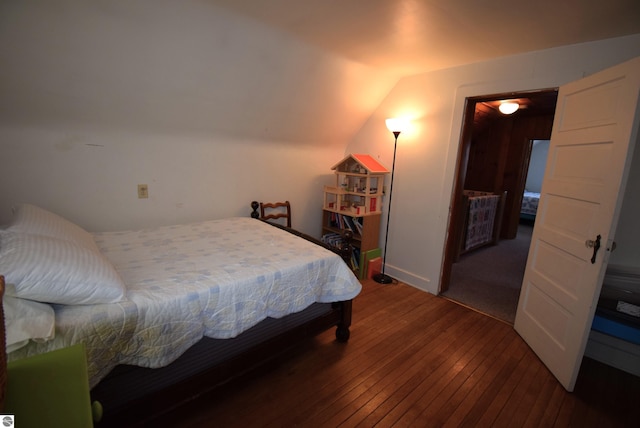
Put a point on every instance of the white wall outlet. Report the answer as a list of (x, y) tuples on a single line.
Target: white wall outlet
[(143, 191)]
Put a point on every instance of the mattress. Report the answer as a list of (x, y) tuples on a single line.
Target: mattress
[(216, 279)]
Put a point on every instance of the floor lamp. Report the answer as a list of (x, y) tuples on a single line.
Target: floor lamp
[(395, 125)]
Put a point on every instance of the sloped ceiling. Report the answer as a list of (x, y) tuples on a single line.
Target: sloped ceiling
[(295, 71), (412, 36)]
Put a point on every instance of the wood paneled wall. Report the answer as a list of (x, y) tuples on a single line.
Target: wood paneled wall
[(499, 159)]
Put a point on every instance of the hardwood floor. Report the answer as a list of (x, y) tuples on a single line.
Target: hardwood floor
[(415, 359)]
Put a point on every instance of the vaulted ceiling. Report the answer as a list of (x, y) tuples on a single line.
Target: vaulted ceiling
[(412, 36), (248, 68)]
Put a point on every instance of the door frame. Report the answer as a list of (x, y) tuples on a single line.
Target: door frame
[(455, 211)]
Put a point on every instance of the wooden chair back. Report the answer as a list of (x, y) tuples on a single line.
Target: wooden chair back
[(275, 211)]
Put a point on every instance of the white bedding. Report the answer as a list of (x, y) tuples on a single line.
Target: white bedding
[(215, 279), (530, 202)]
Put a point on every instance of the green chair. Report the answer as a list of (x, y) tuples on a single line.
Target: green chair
[(50, 390)]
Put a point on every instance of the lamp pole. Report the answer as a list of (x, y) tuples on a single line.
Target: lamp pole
[(381, 278)]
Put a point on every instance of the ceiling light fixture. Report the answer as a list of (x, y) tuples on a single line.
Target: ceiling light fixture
[(508, 107)]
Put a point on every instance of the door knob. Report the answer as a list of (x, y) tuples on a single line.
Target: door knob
[(595, 245)]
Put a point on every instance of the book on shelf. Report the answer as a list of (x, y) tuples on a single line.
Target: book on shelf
[(346, 222), (355, 259), (336, 240), (349, 224), (365, 258), (334, 221), (333, 239), (374, 267), (358, 222)]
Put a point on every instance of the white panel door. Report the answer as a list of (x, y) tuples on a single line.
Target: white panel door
[(594, 133)]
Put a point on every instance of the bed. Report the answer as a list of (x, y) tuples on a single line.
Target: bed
[(529, 206), (169, 312)]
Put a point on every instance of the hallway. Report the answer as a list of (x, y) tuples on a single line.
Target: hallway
[(489, 278)]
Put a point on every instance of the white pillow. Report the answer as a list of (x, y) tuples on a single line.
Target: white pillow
[(27, 320), (52, 270), (29, 218)]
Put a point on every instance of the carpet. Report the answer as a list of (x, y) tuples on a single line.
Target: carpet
[(489, 279)]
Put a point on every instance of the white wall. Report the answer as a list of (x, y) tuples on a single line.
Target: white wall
[(92, 177), (627, 237), (208, 108), (537, 165), (426, 158)]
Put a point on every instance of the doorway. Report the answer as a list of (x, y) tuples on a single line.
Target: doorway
[(494, 156)]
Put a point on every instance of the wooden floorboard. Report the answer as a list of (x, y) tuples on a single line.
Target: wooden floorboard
[(415, 360)]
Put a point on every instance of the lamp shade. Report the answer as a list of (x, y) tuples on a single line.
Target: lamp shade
[(508, 107), (397, 124)]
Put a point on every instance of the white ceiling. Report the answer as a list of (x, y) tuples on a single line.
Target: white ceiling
[(412, 36)]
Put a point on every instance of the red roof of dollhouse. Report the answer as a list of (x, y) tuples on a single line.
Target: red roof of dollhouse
[(367, 161)]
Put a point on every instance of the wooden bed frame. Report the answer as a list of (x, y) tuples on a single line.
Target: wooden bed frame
[(170, 387)]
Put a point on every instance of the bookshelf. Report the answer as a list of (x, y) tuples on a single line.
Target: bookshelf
[(355, 204)]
